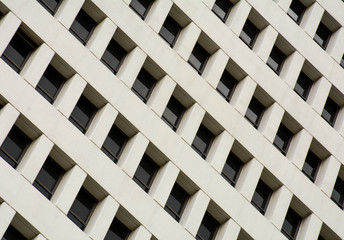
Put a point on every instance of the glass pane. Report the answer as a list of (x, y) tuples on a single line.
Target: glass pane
[(208, 228), (15, 143), (13, 234), (117, 231), (83, 26), (83, 111), (83, 205), (232, 168), (50, 83), (143, 84)]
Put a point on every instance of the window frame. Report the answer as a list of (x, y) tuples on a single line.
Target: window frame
[(252, 40), (260, 116), (230, 80), (146, 11), (280, 66), (116, 222), (48, 8), (323, 27), (107, 64), (339, 183), (333, 122), (13, 230), (75, 34), (311, 155), (202, 127), (139, 182), (297, 227), (209, 217), (150, 77), (223, 19), (237, 160), (198, 47), (177, 216), (284, 151), (171, 19), (179, 118), (305, 78), (262, 209), (297, 4)]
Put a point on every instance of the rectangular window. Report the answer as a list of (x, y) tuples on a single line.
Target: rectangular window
[(291, 224), (117, 231), (232, 169), (82, 27), (303, 86), (82, 208), (83, 114), (296, 11), (13, 234), (283, 139), (114, 144), (48, 177), (173, 113), (330, 111), (50, 84), (261, 197), (176, 202), (276, 60), (13, 148), (208, 228), (170, 30), (145, 173), (50, 5), (18, 51), (342, 62), (338, 193), (141, 7), (311, 166), (222, 8), (249, 34), (226, 85), (199, 58), (322, 35), (143, 85), (203, 140), (113, 56), (255, 112)]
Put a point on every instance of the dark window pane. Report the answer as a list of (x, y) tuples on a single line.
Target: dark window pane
[(170, 30), (50, 84), (114, 143), (303, 85), (226, 85), (173, 113), (311, 166), (48, 177), (338, 193), (82, 26), (330, 111), (342, 62), (82, 114), (141, 7), (276, 60), (261, 197), (14, 146), (322, 35), (296, 11), (208, 228), (117, 231), (198, 58), (145, 173), (13, 234), (291, 224), (113, 56), (143, 85), (255, 112), (50, 5), (283, 139), (203, 141), (176, 202), (222, 8), (232, 168), (82, 208), (249, 33)]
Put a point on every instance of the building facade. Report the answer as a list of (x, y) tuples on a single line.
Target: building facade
[(172, 119)]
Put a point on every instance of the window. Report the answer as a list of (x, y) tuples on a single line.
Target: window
[(311, 166), (50, 84), (143, 85), (303, 86), (296, 11), (322, 35), (261, 197), (276, 60), (82, 208), (249, 33), (50, 5), (13, 234), (48, 177), (173, 113), (170, 30), (342, 62), (176, 202), (117, 231), (232, 169), (321, 238), (141, 7), (203, 140), (113, 56), (18, 51), (338, 193), (330, 111), (222, 8), (283, 139), (14, 146), (82, 114), (145, 173), (114, 143), (208, 228), (291, 224), (226, 85), (255, 112), (199, 58), (83, 26)]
